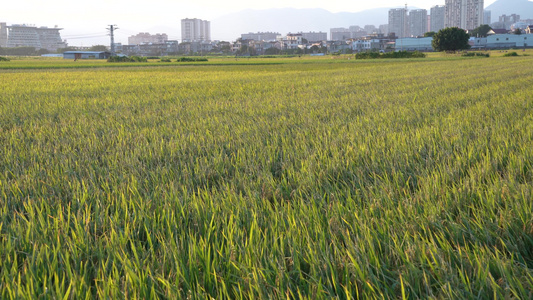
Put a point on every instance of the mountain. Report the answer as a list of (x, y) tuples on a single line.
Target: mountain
[(524, 8), (285, 20)]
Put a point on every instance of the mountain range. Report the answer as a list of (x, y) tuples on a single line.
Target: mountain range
[(285, 20)]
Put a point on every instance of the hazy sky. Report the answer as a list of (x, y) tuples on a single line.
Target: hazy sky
[(83, 18)]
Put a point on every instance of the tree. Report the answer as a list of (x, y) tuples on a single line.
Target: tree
[(517, 31), (481, 31), (450, 39), (98, 48), (430, 34)]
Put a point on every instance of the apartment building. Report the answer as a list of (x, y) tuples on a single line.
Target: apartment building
[(398, 22), (195, 30), (438, 13), (418, 22), (465, 14)]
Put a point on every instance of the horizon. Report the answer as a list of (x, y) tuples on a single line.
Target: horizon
[(153, 18)]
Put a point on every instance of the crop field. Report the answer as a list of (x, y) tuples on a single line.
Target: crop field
[(267, 178)]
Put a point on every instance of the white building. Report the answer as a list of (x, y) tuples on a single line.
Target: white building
[(465, 14), (437, 13), (503, 41), (31, 36), (398, 23), (418, 22), (195, 30)]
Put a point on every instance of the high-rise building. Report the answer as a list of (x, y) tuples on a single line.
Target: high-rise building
[(465, 14), (195, 30), (31, 36), (487, 17), (384, 28), (438, 13), (398, 22), (418, 22), (3, 35)]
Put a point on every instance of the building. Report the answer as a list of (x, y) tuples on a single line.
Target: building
[(384, 29), (398, 22), (3, 35), (31, 36), (414, 44), (261, 36), (314, 36), (418, 22), (438, 14), (502, 41), (465, 14), (369, 29), (340, 34), (529, 30), (487, 17), (146, 38), (195, 30), (505, 21), (86, 55)]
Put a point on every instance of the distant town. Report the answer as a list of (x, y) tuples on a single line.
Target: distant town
[(407, 30)]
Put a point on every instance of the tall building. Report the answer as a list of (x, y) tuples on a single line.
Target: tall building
[(465, 14), (3, 35), (398, 22), (487, 17), (438, 13), (418, 22), (146, 38), (31, 36), (195, 30), (384, 28), (261, 36)]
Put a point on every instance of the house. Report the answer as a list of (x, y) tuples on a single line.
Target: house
[(75, 55), (497, 31), (529, 29)]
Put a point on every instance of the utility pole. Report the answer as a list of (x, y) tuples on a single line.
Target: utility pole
[(111, 29)]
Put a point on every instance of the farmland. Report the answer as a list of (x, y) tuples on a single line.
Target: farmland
[(267, 178)]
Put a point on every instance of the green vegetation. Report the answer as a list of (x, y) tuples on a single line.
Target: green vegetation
[(397, 54), (4, 58), (127, 59), (481, 31), (450, 39), (307, 178), (191, 59), (481, 54), (510, 54)]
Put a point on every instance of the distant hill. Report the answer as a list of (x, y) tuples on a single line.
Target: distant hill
[(524, 8), (285, 20)]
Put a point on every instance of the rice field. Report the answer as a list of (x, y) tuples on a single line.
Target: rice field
[(267, 178)]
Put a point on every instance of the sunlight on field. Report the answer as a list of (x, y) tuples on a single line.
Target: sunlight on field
[(267, 178)]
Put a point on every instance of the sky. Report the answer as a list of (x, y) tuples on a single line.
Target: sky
[(85, 22)]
